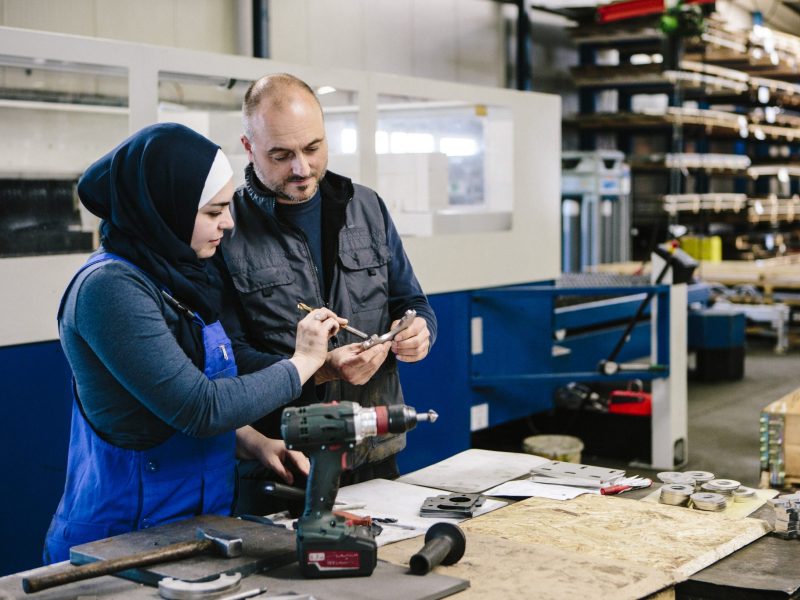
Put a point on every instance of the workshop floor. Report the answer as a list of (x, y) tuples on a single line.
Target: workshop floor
[(723, 418)]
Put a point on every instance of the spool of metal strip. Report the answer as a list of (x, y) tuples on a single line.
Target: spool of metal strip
[(675, 494), (700, 477), (721, 486), (668, 476), (743, 494), (708, 501)]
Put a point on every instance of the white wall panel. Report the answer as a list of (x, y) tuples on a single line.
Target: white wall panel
[(336, 33), (206, 25), (388, 38), (76, 16), (288, 31), (479, 38), (434, 46), (146, 21), (450, 40)]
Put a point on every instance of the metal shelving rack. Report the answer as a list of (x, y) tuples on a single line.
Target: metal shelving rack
[(731, 96)]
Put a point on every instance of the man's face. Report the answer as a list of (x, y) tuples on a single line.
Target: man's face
[(288, 148)]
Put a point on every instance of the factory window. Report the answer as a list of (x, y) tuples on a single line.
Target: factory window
[(58, 118)]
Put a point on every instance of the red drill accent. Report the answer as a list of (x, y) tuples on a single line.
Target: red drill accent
[(382, 419)]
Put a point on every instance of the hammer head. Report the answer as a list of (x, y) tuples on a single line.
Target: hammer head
[(225, 544)]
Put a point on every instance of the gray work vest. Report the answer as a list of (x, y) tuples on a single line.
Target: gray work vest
[(272, 270)]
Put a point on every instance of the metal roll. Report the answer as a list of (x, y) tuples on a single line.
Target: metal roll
[(675, 494), (709, 501)]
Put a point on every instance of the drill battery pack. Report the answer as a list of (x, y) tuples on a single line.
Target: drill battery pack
[(354, 554)]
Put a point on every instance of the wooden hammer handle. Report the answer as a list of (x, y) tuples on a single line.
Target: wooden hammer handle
[(169, 553)]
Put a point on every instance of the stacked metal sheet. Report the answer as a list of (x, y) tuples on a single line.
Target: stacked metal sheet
[(787, 508)]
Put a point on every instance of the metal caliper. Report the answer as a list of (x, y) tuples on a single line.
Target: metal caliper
[(372, 340)]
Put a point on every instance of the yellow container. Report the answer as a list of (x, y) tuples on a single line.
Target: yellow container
[(564, 448), (705, 248)]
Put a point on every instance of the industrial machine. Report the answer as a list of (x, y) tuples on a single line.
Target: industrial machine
[(595, 209), (328, 545)]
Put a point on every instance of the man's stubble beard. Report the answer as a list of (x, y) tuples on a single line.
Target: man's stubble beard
[(279, 192)]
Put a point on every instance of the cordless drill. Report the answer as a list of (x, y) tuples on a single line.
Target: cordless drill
[(328, 545)]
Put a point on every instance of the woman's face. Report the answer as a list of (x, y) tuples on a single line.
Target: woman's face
[(211, 222)]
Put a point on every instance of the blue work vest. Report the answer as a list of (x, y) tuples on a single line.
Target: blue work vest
[(112, 490)]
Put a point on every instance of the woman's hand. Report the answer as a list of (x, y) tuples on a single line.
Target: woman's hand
[(273, 454), (311, 344)]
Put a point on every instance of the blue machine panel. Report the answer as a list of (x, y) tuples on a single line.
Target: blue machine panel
[(34, 430)]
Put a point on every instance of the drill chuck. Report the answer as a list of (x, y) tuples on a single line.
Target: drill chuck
[(346, 423)]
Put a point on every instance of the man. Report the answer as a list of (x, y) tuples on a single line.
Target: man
[(303, 234)]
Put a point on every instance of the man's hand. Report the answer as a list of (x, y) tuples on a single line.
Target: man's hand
[(412, 344), (352, 363), (273, 454)]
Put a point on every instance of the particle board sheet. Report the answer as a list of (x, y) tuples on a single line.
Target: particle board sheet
[(498, 567), (592, 546)]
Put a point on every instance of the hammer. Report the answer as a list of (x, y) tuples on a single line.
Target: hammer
[(207, 541)]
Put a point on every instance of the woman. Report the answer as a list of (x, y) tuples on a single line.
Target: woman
[(159, 412)]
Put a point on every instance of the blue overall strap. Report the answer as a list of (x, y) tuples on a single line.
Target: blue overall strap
[(219, 359)]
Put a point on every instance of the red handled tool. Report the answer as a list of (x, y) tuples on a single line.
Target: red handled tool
[(626, 483)]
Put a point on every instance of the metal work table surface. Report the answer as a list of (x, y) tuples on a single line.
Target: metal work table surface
[(766, 568)]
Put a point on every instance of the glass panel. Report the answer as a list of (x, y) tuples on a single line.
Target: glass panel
[(459, 149), (61, 117)]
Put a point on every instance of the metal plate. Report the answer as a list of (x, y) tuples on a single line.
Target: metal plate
[(557, 468)]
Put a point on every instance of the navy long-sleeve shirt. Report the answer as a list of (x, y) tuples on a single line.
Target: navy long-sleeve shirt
[(135, 383)]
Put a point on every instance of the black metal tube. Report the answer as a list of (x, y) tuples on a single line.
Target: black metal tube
[(431, 555), (261, 28)]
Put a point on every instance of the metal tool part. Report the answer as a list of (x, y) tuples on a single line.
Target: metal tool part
[(177, 589), (281, 490), (374, 339), (454, 506), (444, 544), (207, 541), (353, 330), (709, 502), (402, 324)]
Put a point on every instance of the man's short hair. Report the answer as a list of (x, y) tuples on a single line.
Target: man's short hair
[(274, 88)]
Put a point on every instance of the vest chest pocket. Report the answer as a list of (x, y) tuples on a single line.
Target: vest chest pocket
[(268, 296), (366, 275)]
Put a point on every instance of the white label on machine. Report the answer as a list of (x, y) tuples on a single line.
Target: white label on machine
[(479, 417), (476, 335)]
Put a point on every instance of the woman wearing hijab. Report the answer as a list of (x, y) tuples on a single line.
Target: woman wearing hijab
[(159, 411)]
